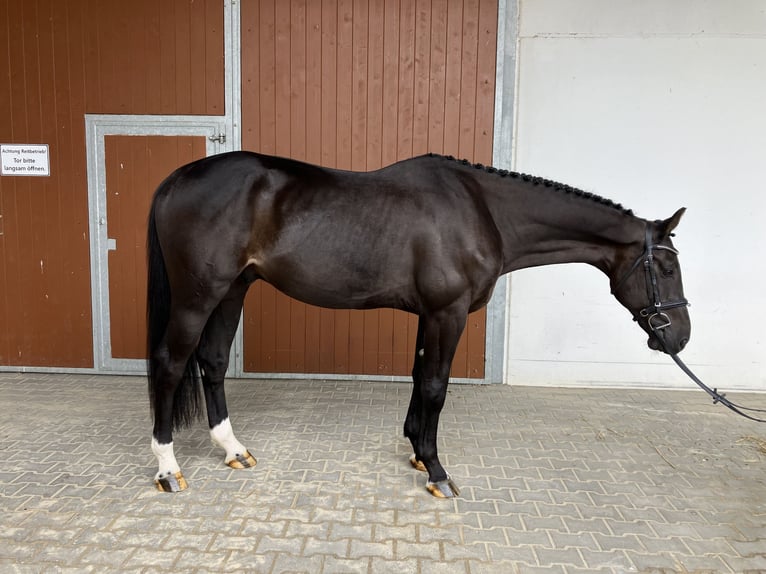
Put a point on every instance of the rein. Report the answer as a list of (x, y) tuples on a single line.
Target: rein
[(717, 397), (659, 320)]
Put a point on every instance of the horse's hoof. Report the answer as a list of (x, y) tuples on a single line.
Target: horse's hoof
[(417, 464), (171, 483), (443, 488), (243, 461)]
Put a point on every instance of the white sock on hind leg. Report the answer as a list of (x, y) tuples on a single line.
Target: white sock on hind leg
[(166, 459)]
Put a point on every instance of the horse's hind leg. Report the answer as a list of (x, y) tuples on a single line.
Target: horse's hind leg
[(175, 392), (213, 356)]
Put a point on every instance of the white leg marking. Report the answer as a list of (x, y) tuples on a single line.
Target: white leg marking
[(223, 436), (165, 459)]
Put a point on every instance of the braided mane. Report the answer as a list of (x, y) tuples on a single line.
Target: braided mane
[(535, 180)]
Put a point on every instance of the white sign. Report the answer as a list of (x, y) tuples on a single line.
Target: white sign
[(25, 159)]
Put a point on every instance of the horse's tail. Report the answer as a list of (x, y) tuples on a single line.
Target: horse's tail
[(186, 401)]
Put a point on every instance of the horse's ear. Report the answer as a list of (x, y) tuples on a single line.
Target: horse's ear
[(667, 226)]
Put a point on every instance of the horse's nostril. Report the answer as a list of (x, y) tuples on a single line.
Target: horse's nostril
[(682, 343)]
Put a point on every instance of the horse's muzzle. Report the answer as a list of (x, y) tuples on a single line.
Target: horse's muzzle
[(671, 347)]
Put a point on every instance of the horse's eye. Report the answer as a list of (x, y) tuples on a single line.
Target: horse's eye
[(667, 272)]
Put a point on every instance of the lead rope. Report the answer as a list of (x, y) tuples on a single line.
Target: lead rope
[(718, 397)]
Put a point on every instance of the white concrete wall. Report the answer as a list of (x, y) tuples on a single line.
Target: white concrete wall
[(656, 105)]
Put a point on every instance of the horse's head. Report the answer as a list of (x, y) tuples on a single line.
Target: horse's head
[(649, 285)]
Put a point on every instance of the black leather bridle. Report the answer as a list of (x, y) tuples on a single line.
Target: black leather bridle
[(654, 313), (658, 320)]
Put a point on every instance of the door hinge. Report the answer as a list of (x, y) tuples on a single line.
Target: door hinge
[(220, 138)]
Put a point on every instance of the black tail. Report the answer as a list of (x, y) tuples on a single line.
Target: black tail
[(187, 403)]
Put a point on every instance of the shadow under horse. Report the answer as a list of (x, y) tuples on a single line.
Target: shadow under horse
[(428, 235)]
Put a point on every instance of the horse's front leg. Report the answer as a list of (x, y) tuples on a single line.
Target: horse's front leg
[(213, 356), (414, 412), (440, 335)]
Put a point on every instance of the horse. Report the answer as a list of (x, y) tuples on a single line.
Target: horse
[(428, 235)]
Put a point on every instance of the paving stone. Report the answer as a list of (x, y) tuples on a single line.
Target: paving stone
[(334, 565), (272, 544), (509, 554), (553, 556), (290, 564), (360, 549), (429, 550), (613, 560), (551, 482), (106, 557), (337, 548), (248, 562), (431, 567)]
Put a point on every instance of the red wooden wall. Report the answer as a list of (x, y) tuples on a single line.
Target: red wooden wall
[(61, 60), (356, 84), (359, 84)]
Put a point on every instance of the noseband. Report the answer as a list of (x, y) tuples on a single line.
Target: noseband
[(654, 313)]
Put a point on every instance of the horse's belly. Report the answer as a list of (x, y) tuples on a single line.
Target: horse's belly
[(332, 286)]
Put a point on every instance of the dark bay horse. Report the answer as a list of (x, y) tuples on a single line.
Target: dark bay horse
[(428, 235)]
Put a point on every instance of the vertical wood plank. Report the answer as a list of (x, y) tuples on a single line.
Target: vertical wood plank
[(359, 86), (251, 75), (183, 65), (167, 57), (406, 79), (282, 77), (213, 71), (437, 76), (422, 69), (197, 56), (453, 78), (374, 107), (297, 77), (345, 64), (468, 79), (268, 77), (485, 90), (329, 95), (390, 102), (313, 114)]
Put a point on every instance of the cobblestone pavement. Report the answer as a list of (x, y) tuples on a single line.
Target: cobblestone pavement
[(553, 480)]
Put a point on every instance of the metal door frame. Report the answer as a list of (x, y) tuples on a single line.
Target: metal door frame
[(97, 128)]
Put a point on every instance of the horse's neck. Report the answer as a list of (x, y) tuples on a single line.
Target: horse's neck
[(543, 226)]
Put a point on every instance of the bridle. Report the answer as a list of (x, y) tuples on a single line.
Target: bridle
[(658, 320), (654, 313)]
